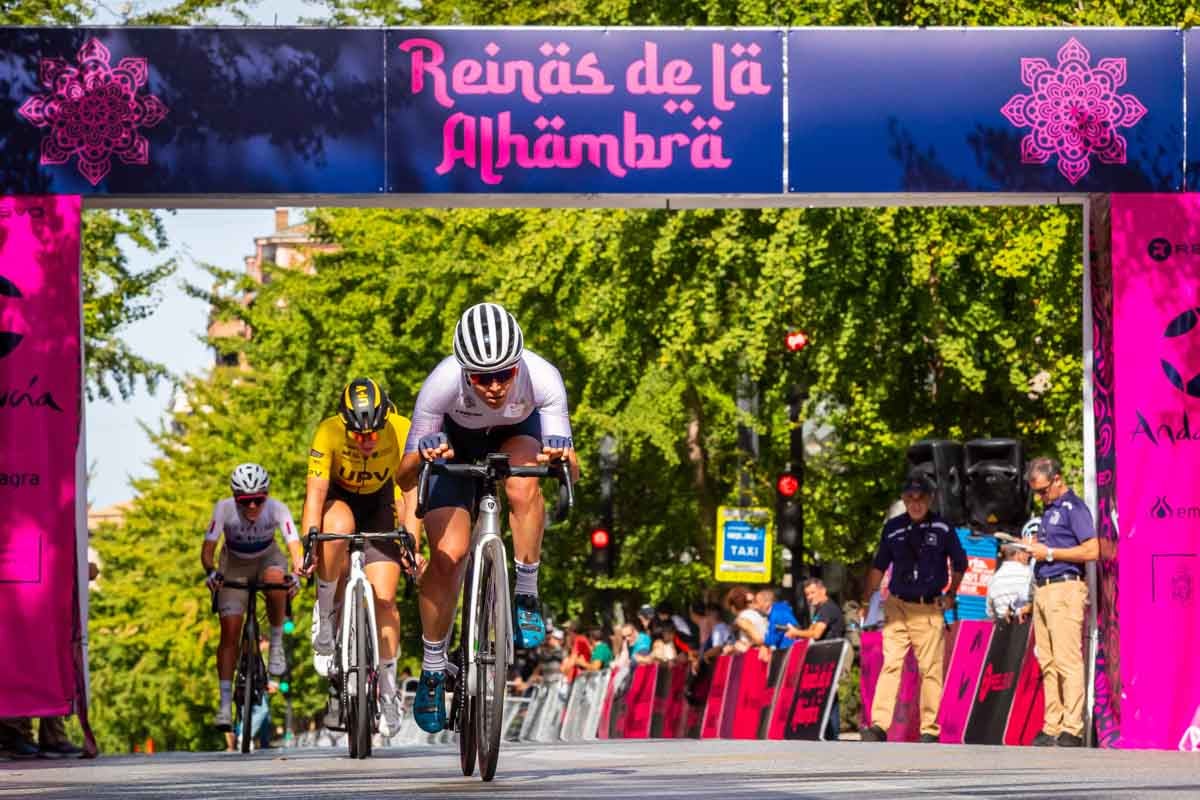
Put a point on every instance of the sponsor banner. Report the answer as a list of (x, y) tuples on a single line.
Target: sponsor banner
[(967, 654), (585, 110), (1156, 352), (198, 111), (613, 704), (817, 690), (906, 716), (40, 405), (744, 538), (998, 684), (710, 726), (968, 109), (670, 705), (1029, 701), (639, 702), (746, 695), (785, 691)]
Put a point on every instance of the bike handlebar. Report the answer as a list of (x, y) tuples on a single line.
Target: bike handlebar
[(408, 547), (494, 467)]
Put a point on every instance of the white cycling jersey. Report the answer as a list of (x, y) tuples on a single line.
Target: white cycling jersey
[(537, 387), (249, 539)]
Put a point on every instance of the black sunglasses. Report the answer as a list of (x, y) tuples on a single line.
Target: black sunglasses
[(251, 500), (488, 378)]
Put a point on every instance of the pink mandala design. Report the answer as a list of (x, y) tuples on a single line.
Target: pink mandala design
[(1074, 110), (93, 110)]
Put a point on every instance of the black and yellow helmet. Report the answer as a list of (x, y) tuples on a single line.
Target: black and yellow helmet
[(364, 406)]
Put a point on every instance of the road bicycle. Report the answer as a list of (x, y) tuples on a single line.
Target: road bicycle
[(485, 646), (251, 682), (354, 673)]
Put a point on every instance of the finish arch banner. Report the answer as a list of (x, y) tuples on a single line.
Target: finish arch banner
[(1156, 354), (42, 673)]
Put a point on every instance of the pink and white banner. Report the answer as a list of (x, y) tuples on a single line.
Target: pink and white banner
[(40, 420), (1156, 354)]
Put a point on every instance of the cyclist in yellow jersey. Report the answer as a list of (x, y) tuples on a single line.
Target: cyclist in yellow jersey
[(352, 466)]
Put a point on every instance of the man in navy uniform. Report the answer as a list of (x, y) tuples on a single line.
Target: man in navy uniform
[(916, 545), (1066, 542)]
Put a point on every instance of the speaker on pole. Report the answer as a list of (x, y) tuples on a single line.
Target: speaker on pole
[(997, 497), (941, 462)]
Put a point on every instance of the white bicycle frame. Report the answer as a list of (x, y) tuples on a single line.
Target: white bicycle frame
[(485, 537), (358, 576)]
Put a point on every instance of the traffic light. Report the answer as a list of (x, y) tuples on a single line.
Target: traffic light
[(289, 626), (601, 560), (285, 682), (796, 341), (789, 513)]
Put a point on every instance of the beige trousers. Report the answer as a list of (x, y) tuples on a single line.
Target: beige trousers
[(1058, 610), (921, 627)]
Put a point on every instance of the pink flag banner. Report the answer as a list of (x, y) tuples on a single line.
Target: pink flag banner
[(967, 654), (1156, 355), (40, 420)]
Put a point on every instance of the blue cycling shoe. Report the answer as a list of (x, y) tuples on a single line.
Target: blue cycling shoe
[(429, 706), (530, 630)]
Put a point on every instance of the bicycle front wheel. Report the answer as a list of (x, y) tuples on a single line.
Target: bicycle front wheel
[(464, 708), (246, 665), (357, 679), (492, 659)]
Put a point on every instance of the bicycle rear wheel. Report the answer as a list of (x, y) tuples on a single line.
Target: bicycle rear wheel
[(464, 719), (492, 659)]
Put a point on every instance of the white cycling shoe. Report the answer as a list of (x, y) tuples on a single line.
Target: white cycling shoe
[(390, 716), (277, 661), (321, 660)]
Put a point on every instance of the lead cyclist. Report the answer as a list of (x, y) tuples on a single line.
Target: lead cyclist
[(491, 396)]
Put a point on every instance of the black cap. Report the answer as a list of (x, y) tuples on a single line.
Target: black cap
[(916, 484)]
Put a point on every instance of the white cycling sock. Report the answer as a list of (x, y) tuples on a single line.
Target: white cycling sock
[(326, 590), (226, 693), (387, 677), (526, 577), (276, 637), (434, 658)]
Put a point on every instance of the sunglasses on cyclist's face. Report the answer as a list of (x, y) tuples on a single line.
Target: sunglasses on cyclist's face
[(369, 436), (488, 378), (251, 500)]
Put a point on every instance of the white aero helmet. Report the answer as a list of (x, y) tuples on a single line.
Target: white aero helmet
[(249, 478), (487, 338)]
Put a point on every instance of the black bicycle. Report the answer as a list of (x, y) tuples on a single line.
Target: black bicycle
[(485, 639), (251, 682), (354, 673)]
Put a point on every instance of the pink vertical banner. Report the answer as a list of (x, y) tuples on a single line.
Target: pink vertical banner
[(906, 715), (967, 655), (639, 703), (1156, 356), (40, 403)]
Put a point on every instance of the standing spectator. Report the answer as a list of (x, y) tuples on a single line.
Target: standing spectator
[(581, 656), (663, 650), (779, 618), (720, 632), (641, 647), (1008, 591), (1066, 541), (688, 635), (602, 654), (749, 623), (916, 545), (827, 623)]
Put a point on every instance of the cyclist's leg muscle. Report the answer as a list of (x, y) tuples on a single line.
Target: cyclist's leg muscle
[(527, 508), (383, 576), (334, 562), (227, 649), (449, 532)]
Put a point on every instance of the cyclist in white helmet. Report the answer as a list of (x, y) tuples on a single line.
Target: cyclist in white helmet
[(248, 521), (492, 395)]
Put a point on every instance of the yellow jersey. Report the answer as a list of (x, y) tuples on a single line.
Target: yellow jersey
[(335, 456)]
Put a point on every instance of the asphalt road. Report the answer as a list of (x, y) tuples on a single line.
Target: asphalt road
[(654, 770)]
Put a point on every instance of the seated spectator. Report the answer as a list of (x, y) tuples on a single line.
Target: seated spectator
[(602, 654), (779, 618), (1009, 590)]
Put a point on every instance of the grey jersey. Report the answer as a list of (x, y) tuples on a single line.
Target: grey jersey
[(538, 387)]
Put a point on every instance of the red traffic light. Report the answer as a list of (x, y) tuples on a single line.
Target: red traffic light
[(599, 538), (797, 341), (786, 484)]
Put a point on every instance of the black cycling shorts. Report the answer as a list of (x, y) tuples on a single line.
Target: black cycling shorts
[(373, 513), (470, 446)]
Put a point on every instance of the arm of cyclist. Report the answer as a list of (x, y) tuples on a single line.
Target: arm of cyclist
[(292, 541), (315, 492), (208, 552)]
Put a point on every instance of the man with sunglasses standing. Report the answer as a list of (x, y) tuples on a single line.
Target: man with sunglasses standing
[(491, 396), (352, 468), (248, 521), (1066, 542)]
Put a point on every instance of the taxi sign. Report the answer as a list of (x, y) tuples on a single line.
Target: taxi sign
[(744, 538)]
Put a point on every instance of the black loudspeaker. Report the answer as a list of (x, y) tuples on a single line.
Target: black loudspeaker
[(997, 496), (941, 462)]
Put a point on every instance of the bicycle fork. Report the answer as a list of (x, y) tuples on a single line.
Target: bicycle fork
[(357, 578)]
